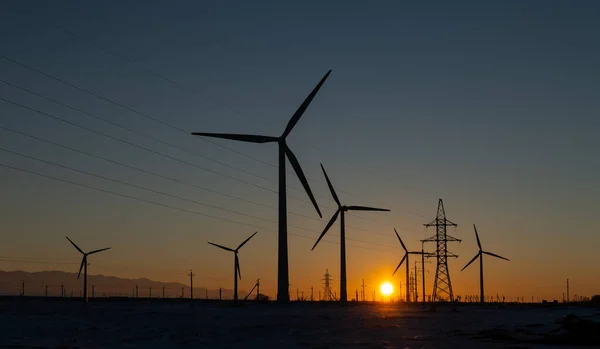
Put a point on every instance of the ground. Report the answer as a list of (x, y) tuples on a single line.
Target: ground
[(61, 323)]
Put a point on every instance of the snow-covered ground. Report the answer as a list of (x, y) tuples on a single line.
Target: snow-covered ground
[(124, 324)]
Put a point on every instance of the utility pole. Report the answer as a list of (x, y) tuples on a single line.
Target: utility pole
[(363, 289), (415, 284), (297, 294), (423, 255), (568, 298), (311, 294), (137, 291), (442, 286), (258, 289), (357, 295), (191, 275), (302, 295)]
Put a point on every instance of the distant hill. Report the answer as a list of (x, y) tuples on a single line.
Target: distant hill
[(108, 286)]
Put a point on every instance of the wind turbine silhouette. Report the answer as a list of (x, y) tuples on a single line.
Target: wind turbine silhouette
[(283, 278), (480, 256), (406, 254), (84, 266), (236, 266), (341, 212)]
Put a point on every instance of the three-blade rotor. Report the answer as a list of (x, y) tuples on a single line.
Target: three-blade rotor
[(281, 140), (84, 258), (481, 251), (237, 259), (340, 208)]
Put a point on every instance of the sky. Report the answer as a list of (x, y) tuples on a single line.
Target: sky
[(491, 106)]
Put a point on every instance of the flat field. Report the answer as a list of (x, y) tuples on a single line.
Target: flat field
[(62, 323)]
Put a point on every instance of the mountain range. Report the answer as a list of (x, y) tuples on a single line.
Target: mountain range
[(36, 284)]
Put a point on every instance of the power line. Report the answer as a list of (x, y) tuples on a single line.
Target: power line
[(123, 106), (155, 174), (163, 193), (163, 77), (135, 168), (134, 131), (141, 114), (145, 148), (173, 207), (133, 185), (133, 144)]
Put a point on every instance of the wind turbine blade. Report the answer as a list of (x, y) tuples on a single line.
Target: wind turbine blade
[(100, 250), (477, 236), (335, 197), (402, 243), (77, 247), (365, 208), (83, 261), (303, 107), (223, 247), (472, 260), (495, 255), (301, 176), (238, 137), (243, 243), (399, 264), (237, 263), (331, 221)]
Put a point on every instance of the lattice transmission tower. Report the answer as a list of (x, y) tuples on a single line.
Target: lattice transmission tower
[(442, 286), (328, 295)]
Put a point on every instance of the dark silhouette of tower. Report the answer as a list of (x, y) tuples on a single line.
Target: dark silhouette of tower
[(363, 290), (191, 275), (327, 295), (442, 286), (283, 279)]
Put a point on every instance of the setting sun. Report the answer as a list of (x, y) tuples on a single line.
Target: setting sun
[(387, 289)]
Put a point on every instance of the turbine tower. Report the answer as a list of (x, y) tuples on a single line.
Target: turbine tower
[(236, 265), (283, 279), (480, 256), (84, 265), (442, 286), (340, 211), (406, 255)]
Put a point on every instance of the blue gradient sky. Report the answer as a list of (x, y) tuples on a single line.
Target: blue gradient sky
[(491, 106)]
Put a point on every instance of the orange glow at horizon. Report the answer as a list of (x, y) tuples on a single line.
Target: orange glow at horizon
[(386, 288)]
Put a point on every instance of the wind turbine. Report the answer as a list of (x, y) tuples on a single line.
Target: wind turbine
[(480, 256), (84, 266), (406, 254), (236, 266), (341, 212), (283, 278)]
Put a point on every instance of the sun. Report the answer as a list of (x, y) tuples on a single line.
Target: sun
[(386, 288)]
